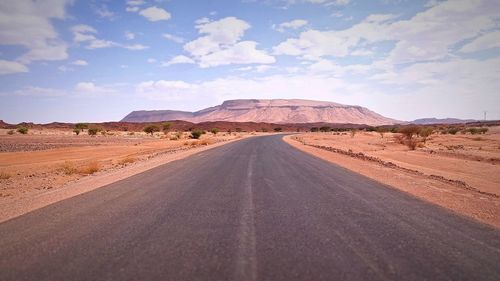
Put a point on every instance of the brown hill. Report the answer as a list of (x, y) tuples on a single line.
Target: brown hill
[(278, 111)]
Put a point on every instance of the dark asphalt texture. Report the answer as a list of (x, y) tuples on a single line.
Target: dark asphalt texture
[(256, 209)]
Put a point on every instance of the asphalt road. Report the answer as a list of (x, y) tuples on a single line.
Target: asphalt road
[(256, 209)]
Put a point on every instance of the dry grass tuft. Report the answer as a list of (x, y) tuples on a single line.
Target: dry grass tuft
[(206, 142), (90, 168), (127, 160), (4, 176), (69, 168)]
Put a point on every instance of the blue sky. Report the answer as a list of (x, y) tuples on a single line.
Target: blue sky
[(72, 61)]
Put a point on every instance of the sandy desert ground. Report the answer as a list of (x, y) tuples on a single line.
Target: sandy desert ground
[(460, 172), (44, 161)]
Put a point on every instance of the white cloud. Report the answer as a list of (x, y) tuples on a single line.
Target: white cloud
[(179, 60), (80, 63), (135, 47), (64, 68), (487, 41), (10, 67), (105, 13), (294, 24), (221, 44), (28, 24), (39, 92), (151, 60), (429, 35), (129, 35), (134, 5), (174, 38), (86, 34), (155, 14), (89, 88)]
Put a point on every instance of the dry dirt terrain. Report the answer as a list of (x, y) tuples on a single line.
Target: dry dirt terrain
[(460, 172), (46, 161)]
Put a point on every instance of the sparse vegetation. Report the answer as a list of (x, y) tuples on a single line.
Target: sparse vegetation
[(238, 130), (453, 130), (264, 130), (4, 176), (22, 130), (90, 168), (151, 129), (10, 132), (127, 160), (214, 131), (314, 129), (381, 131), (69, 168), (196, 134), (278, 129), (92, 131), (325, 129), (76, 131), (409, 136), (353, 132), (166, 127), (81, 126), (425, 132)]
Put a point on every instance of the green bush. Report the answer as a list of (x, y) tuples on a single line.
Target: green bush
[(166, 126), (92, 131), (151, 129), (453, 131), (22, 130), (81, 126), (196, 134), (214, 131), (76, 131)]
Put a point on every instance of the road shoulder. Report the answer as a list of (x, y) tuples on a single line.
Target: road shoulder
[(470, 203)]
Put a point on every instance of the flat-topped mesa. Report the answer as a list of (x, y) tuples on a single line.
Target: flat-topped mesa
[(270, 111)]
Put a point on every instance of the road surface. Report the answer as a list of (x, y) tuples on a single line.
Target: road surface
[(256, 209)]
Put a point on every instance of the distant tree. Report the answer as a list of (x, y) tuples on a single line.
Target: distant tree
[(314, 129), (409, 131), (81, 126), (278, 129), (325, 129), (166, 126), (92, 131), (22, 130), (151, 129)]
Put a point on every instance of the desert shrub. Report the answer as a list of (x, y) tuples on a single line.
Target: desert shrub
[(151, 129), (131, 133), (185, 143), (4, 176), (238, 130), (425, 132), (166, 126), (127, 160), (381, 131), (314, 129), (453, 131), (483, 130), (264, 130), (90, 168), (353, 132), (10, 132), (68, 168), (125, 129), (473, 131), (278, 129), (325, 129), (178, 135), (173, 138), (409, 131), (76, 131), (399, 138), (92, 131), (214, 131), (196, 134), (103, 133), (22, 130), (81, 126)]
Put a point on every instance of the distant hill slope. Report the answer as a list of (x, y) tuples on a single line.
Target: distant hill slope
[(430, 121), (269, 111)]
